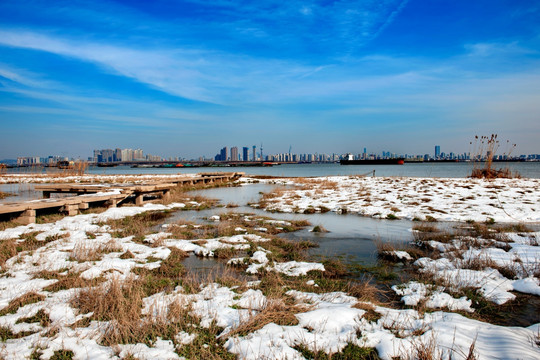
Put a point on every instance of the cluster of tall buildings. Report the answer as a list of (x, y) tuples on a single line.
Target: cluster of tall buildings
[(117, 155), (36, 160), (251, 154), (233, 155)]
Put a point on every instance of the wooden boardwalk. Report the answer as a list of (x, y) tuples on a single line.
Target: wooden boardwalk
[(109, 194)]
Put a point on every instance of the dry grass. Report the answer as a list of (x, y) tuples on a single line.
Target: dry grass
[(276, 311), (15, 304), (170, 274), (83, 252), (137, 226), (40, 317), (426, 227), (426, 350), (427, 232), (287, 250), (179, 195), (49, 218), (7, 223), (269, 197), (66, 281), (385, 250), (8, 249), (119, 302), (26, 242), (488, 173), (319, 229), (111, 246), (364, 291)]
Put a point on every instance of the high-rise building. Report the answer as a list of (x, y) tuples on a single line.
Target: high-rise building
[(437, 151), (254, 153), (234, 153), (138, 154), (107, 155), (245, 153), (117, 154), (223, 154), (127, 155)]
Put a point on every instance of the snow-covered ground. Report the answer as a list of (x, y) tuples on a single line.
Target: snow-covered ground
[(451, 199), (325, 322), (464, 264)]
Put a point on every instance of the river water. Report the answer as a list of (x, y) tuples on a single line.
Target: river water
[(351, 237), (440, 170), (462, 169)]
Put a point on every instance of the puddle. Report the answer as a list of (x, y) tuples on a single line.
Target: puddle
[(23, 192), (350, 237)]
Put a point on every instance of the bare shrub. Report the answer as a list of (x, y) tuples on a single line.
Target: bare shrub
[(484, 148)]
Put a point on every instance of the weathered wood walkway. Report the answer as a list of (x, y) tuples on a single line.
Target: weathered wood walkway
[(109, 194)]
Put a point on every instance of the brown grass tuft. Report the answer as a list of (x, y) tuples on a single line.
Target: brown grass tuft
[(15, 304), (276, 311), (8, 249), (65, 282), (119, 302)]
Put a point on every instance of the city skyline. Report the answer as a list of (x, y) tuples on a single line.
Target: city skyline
[(177, 77), (118, 155)]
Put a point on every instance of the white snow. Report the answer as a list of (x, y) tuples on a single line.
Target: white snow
[(445, 199), (434, 297), (326, 321)]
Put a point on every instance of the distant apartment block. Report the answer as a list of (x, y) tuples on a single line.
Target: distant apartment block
[(109, 155)]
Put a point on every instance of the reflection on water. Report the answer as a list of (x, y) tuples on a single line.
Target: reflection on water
[(24, 192), (19, 192)]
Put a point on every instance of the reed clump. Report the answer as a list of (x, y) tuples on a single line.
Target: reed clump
[(484, 150)]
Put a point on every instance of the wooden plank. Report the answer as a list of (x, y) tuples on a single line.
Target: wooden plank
[(72, 203)]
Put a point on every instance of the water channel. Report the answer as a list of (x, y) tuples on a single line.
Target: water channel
[(350, 237)]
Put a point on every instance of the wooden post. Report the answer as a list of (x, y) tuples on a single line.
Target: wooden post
[(166, 196), (84, 206), (112, 203), (139, 199), (70, 210), (27, 217)]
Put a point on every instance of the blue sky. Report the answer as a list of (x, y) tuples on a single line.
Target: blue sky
[(184, 78)]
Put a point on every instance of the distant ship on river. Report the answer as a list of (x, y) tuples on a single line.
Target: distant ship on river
[(350, 160)]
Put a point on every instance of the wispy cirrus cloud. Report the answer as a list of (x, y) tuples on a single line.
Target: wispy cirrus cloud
[(353, 22), (192, 74)]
